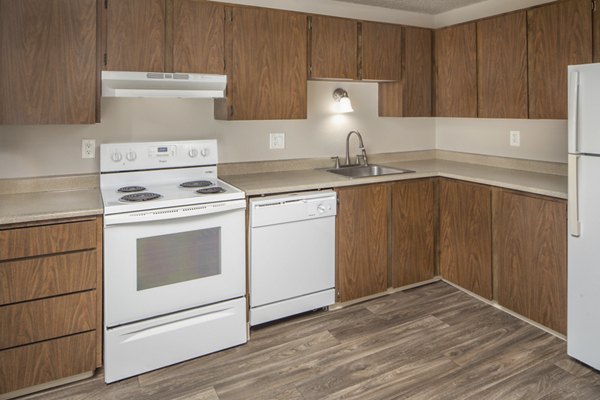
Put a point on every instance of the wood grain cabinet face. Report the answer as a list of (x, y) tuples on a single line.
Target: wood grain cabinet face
[(530, 257), (135, 35), (362, 241), (456, 71), (266, 66), (413, 232), (198, 37), (411, 96), (465, 236), (502, 66), (596, 32), (48, 61), (381, 51), (333, 48), (559, 34)]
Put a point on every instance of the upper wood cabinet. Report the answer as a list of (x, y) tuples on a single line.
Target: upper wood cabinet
[(48, 61), (456, 71), (381, 51), (135, 35), (596, 33), (502, 66), (411, 96), (559, 34), (333, 48), (530, 256), (198, 37), (362, 241), (266, 65), (413, 232), (465, 236)]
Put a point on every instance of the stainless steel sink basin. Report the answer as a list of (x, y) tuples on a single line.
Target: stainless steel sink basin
[(366, 171)]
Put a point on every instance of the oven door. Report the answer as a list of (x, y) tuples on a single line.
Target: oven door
[(166, 260)]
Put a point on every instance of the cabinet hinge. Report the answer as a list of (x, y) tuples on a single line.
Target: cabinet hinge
[(105, 59), (231, 111), (594, 6), (106, 4), (310, 24)]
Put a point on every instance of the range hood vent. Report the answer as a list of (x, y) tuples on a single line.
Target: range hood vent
[(157, 84)]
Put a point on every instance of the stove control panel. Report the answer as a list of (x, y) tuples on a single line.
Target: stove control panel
[(155, 155)]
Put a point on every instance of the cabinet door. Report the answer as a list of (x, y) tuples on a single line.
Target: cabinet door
[(198, 37), (502, 66), (530, 255), (48, 61), (135, 35), (465, 236), (333, 48), (267, 71), (456, 71), (381, 51), (413, 232), (410, 97), (560, 34), (362, 241)]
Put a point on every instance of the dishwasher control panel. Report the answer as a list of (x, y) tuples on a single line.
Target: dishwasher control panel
[(293, 207)]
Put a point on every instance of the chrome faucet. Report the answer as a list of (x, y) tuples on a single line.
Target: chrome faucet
[(361, 147)]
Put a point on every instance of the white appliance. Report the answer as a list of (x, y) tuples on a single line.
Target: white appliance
[(583, 321), (292, 254), (158, 84), (174, 256)]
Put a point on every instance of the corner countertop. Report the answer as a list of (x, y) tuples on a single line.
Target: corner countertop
[(42, 206), (266, 183)]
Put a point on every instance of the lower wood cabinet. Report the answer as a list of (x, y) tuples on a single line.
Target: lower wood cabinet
[(465, 236), (413, 232), (362, 241), (530, 256), (50, 303)]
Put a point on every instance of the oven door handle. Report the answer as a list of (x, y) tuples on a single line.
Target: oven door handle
[(173, 213)]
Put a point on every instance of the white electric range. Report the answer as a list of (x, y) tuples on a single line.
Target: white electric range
[(174, 256)]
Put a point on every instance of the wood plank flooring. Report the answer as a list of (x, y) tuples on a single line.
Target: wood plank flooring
[(432, 342)]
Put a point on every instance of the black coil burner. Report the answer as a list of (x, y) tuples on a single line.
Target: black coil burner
[(135, 197), (195, 184), (131, 189), (211, 190)]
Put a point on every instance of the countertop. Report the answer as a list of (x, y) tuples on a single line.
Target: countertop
[(298, 180), (43, 206)]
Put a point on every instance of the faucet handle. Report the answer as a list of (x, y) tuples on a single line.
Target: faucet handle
[(336, 159)]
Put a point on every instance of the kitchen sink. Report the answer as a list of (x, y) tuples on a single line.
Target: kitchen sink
[(365, 171)]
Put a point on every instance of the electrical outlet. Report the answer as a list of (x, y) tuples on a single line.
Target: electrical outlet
[(277, 141), (515, 138), (88, 148)]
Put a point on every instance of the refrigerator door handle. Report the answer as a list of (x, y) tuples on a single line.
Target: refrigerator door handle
[(573, 206), (573, 111)]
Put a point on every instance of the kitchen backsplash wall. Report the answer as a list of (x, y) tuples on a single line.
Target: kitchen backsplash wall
[(543, 140), (27, 151)]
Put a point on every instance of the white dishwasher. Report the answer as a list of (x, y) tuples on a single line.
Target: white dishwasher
[(292, 254)]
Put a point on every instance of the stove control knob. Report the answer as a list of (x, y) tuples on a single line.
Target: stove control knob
[(205, 152), (193, 152), (131, 156), (116, 156)]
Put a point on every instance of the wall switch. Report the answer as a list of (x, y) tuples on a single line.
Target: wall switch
[(277, 141), (88, 148), (515, 138)]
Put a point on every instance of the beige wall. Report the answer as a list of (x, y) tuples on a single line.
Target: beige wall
[(56, 150)]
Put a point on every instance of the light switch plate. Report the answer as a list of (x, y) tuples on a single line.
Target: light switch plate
[(277, 141), (88, 148), (515, 138)]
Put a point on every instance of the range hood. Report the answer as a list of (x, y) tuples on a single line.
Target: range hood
[(158, 84)]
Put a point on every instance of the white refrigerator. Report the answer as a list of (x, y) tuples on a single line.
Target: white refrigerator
[(583, 321)]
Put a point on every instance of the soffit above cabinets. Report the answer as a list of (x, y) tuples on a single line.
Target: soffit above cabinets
[(432, 7)]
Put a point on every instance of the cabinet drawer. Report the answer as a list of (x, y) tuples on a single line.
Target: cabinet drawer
[(48, 239), (46, 319), (35, 278), (44, 362)]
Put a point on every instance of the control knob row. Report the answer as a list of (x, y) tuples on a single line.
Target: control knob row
[(193, 152), (117, 156)]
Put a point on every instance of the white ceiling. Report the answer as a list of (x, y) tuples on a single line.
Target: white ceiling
[(432, 7)]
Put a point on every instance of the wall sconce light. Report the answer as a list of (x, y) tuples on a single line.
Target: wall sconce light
[(343, 101)]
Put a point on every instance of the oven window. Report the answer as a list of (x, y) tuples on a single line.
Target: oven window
[(179, 257)]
